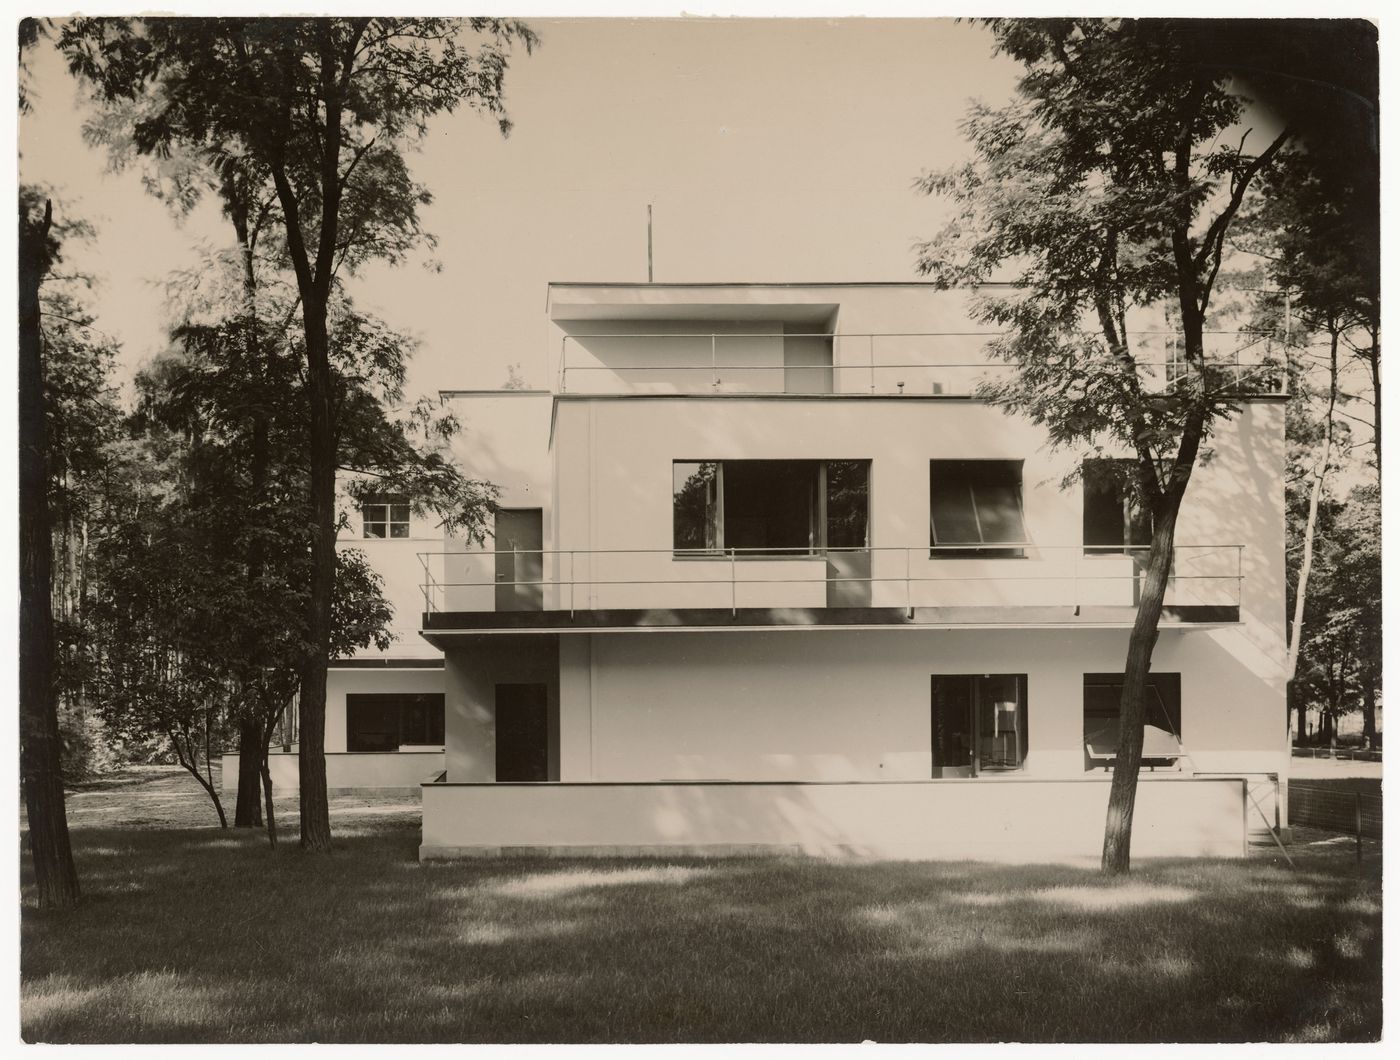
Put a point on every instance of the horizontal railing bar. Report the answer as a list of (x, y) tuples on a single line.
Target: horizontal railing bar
[(828, 581), (840, 550), (1251, 335), (857, 366)]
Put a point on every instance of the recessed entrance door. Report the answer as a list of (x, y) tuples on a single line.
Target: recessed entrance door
[(519, 559), (522, 732)]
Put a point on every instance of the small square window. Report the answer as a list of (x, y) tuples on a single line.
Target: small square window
[(385, 517)]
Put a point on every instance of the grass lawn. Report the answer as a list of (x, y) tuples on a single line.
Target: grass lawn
[(190, 934)]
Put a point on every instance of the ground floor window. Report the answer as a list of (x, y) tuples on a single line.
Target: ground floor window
[(386, 721), (1103, 694), (978, 724)]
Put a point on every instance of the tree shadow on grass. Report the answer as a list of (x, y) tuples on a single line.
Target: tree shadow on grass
[(200, 935)]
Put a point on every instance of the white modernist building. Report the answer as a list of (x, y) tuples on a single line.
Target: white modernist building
[(767, 576)]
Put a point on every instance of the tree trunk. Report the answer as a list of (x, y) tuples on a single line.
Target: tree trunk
[(1373, 361), (311, 756), (247, 811), (190, 764), (1295, 641), (1368, 712), (1132, 711), (55, 876), (266, 772)]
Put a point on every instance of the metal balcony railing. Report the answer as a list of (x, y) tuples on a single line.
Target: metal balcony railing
[(1004, 575), (888, 363)]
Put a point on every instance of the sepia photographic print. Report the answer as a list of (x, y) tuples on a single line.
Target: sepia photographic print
[(699, 529)]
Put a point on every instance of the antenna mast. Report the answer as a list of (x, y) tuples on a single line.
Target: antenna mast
[(649, 272)]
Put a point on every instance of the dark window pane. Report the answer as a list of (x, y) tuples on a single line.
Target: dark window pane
[(1112, 519), (383, 721), (952, 515), (978, 724), (374, 529), (1001, 723), (695, 507), (999, 513), (974, 502), (770, 505), (398, 513), (371, 723), (847, 503), (398, 529), (952, 726)]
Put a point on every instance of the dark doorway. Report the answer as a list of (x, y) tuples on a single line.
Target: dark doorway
[(519, 559), (522, 732)]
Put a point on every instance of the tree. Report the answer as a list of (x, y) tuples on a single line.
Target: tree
[(327, 107), (83, 419), (40, 768), (1108, 187)]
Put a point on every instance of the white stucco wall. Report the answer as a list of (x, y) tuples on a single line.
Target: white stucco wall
[(998, 820), (616, 494), (406, 770), (504, 441), (475, 665), (834, 704)]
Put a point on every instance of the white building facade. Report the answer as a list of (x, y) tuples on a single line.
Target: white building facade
[(767, 576)]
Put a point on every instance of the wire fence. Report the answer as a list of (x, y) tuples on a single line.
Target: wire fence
[(1356, 754), (1355, 813)]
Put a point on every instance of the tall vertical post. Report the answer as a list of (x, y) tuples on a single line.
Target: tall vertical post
[(1356, 804), (649, 269)]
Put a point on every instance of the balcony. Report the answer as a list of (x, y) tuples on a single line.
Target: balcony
[(1023, 585), (950, 364)]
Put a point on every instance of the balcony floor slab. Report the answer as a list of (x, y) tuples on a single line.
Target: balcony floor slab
[(441, 625)]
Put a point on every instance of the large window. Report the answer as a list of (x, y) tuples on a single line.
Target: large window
[(1103, 694), (1113, 519), (978, 724), (385, 517), (974, 504), (770, 507), (390, 720)]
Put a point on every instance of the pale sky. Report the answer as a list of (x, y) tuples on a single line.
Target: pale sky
[(771, 150)]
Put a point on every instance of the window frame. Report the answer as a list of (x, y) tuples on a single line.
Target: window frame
[(982, 548), (386, 517), (1158, 682), (819, 518), (435, 718), (974, 764), (1132, 515)]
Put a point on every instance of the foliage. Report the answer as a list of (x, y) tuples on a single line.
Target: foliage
[(1340, 662), (1105, 190), (326, 107)]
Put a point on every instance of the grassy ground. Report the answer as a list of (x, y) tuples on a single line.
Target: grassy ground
[(190, 934)]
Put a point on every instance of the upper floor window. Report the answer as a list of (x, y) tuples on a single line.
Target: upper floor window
[(1113, 519), (385, 517), (974, 504), (770, 507)]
